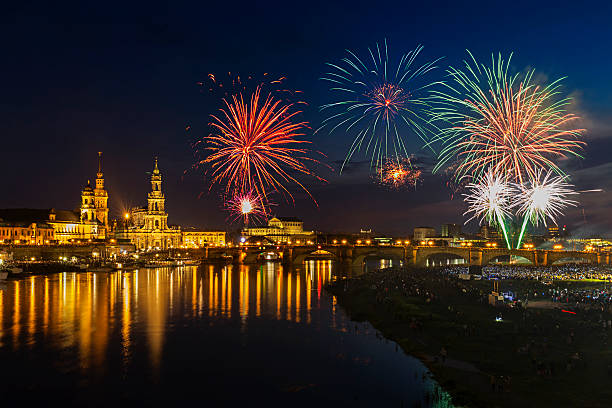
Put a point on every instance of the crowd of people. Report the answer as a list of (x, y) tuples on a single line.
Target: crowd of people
[(541, 273), (558, 320), (553, 278)]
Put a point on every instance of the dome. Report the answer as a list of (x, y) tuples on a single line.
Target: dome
[(87, 190)]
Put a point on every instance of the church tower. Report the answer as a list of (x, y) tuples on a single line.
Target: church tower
[(101, 196), (157, 217), (88, 208)]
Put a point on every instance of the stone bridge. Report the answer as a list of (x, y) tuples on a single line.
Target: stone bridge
[(355, 255)]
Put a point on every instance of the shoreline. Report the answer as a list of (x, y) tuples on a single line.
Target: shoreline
[(525, 359)]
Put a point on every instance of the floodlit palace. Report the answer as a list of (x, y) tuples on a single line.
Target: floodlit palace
[(146, 228)]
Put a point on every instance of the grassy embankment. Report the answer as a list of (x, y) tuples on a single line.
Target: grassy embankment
[(533, 347)]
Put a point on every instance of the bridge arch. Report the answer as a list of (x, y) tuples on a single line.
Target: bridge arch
[(507, 258), (570, 259), (433, 257), (301, 258), (359, 259)]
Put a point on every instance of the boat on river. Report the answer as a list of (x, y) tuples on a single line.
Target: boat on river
[(3, 275), (15, 270)]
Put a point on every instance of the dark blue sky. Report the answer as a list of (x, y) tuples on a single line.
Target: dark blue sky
[(121, 78)]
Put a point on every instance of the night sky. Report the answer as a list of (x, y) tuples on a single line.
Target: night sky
[(122, 78)]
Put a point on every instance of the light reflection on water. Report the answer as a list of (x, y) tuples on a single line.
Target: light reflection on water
[(264, 329)]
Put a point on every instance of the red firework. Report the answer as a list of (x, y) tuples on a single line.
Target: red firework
[(246, 206), (256, 146)]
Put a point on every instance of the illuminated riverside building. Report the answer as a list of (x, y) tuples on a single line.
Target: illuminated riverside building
[(48, 226), (195, 238), (26, 233), (421, 233), (280, 230), (147, 227)]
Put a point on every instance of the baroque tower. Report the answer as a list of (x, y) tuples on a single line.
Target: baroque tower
[(101, 196), (88, 207), (156, 214)]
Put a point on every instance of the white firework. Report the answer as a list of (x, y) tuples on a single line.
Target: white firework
[(490, 199), (546, 197)]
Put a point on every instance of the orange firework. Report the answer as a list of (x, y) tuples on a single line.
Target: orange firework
[(398, 173), (257, 147)]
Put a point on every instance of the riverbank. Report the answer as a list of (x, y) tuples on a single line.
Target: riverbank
[(532, 357)]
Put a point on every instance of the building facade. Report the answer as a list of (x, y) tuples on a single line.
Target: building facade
[(32, 234), (195, 238), (49, 226), (450, 230), (147, 227), (421, 233), (279, 230)]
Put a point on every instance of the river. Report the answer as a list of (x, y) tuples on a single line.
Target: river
[(211, 335)]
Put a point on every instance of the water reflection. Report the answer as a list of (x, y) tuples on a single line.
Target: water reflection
[(145, 327)]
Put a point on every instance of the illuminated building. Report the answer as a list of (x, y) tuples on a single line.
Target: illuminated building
[(17, 232), (280, 230), (488, 232), (194, 238), (556, 232), (89, 222), (450, 230), (148, 226), (421, 233)]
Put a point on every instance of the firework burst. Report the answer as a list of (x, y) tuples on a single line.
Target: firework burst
[(490, 200), (256, 146), (398, 173), (544, 198), (503, 123), (245, 206), (376, 99)]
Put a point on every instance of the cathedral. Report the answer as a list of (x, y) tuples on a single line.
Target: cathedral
[(147, 227)]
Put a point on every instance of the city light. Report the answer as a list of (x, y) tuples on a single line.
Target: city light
[(557, 246)]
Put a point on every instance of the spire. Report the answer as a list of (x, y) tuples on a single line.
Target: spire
[(99, 163), (156, 169)]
